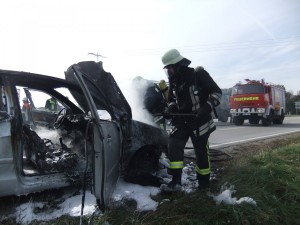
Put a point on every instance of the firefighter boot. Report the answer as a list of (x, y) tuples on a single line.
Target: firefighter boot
[(203, 181), (175, 184)]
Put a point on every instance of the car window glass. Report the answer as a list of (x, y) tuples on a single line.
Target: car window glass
[(65, 92), (103, 114), (38, 100)]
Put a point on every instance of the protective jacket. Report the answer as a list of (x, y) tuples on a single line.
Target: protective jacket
[(193, 91), (154, 100)]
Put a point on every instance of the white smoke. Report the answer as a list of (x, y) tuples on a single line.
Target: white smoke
[(45, 133), (134, 92), (52, 135)]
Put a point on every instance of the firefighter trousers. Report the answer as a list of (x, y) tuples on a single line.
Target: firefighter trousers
[(177, 141)]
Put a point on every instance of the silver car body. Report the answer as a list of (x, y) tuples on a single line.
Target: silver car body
[(84, 145)]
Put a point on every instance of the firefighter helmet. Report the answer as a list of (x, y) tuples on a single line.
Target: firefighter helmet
[(173, 57), (164, 89)]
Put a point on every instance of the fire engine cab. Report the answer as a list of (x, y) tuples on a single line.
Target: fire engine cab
[(257, 100)]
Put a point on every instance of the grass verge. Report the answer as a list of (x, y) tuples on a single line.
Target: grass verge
[(271, 178)]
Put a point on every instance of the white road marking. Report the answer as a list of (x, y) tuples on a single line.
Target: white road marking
[(231, 128), (255, 138)]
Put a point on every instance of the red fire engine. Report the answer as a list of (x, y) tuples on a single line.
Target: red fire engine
[(257, 100)]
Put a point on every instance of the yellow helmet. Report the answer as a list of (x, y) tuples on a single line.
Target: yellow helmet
[(164, 89)]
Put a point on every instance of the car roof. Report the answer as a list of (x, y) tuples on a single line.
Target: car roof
[(36, 80)]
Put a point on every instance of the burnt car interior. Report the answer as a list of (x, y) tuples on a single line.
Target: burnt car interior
[(53, 134)]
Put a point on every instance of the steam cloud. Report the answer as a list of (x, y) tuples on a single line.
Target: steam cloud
[(134, 91)]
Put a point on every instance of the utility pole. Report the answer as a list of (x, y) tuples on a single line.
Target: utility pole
[(97, 56)]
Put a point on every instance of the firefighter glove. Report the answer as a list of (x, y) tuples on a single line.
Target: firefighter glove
[(172, 108)]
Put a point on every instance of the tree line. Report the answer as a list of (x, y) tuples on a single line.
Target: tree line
[(290, 100)]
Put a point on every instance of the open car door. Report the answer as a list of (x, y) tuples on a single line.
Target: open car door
[(107, 135)]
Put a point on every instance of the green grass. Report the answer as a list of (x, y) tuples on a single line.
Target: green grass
[(272, 179)]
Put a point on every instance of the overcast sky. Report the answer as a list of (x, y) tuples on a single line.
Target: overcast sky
[(231, 39)]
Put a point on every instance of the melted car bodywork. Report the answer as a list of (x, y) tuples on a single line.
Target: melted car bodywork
[(44, 149)]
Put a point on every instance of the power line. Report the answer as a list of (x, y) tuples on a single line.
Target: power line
[(265, 43)]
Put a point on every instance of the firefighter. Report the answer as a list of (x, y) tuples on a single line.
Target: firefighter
[(154, 98), (194, 94), (155, 101), (52, 105), (164, 90), (26, 105), (26, 112)]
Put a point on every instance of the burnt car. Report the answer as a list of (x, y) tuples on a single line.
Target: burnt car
[(70, 131)]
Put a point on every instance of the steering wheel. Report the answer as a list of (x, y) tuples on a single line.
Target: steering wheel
[(60, 118)]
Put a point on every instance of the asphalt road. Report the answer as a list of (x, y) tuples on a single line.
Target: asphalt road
[(228, 134)]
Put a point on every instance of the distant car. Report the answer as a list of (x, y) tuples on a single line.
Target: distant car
[(90, 135)]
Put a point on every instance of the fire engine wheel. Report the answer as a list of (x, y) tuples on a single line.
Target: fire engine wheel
[(279, 120), (238, 121), (268, 121)]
